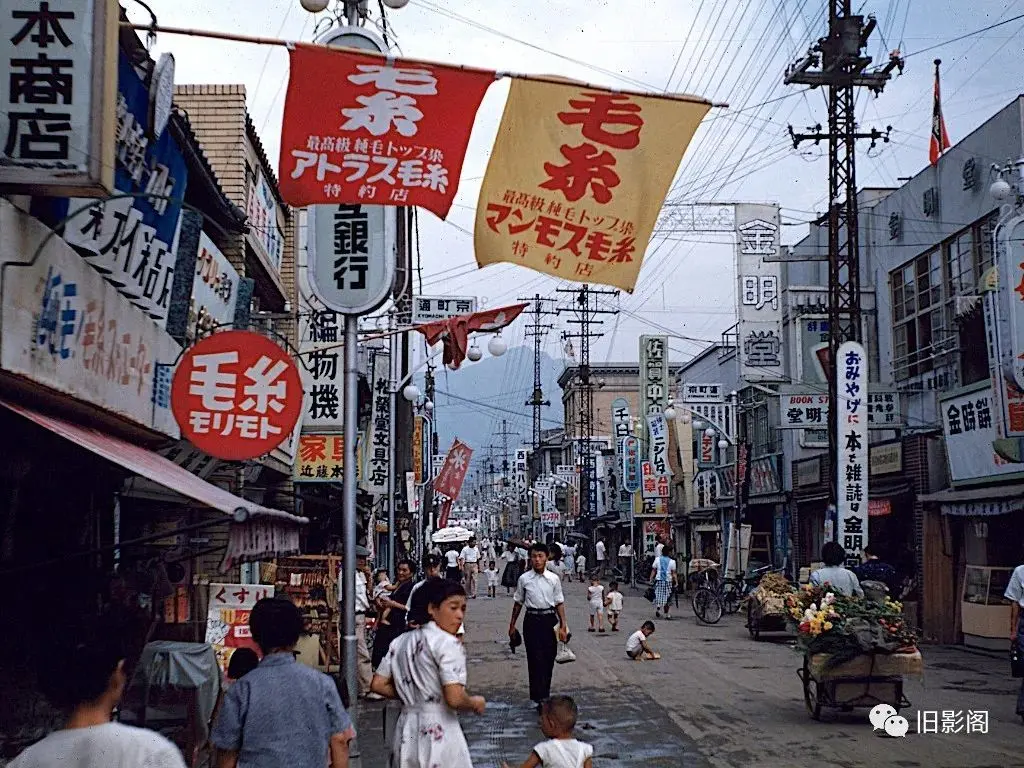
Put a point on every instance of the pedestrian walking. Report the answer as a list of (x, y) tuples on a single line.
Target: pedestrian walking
[(469, 562), (581, 565), (540, 593), (426, 670), (613, 605), (84, 675), (595, 601), (283, 713), (452, 570), (625, 560), (364, 668), (1015, 594), (637, 647), (602, 555), (511, 571), (841, 579), (875, 569), (396, 605), (492, 579), (663, 576), (558, 717)]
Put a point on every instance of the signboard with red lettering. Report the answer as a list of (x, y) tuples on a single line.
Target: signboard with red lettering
[(227, 618), (236, 395), (654, 486), (362, 129)]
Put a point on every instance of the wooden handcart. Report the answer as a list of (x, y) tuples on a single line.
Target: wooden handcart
[(862, 682), (765, 613)]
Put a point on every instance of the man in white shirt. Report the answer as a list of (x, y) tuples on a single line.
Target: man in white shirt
[(602, 551), (540, 592), (364, 669), (1015, 594), (88, 679), (452, 571), (469, 561), (626, 560), (659, 546)]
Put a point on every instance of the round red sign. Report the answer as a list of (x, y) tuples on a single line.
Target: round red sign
[(236, 395)]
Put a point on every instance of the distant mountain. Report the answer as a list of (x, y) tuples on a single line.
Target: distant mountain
[(471, 402)]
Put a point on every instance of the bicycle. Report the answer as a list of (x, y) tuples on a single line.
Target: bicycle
[(707, 605), (733, 590)]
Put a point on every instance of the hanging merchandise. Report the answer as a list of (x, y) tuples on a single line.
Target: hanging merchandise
[(362, 129), (577, 177)]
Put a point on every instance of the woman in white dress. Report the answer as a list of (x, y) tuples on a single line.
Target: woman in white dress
[(426, 669)]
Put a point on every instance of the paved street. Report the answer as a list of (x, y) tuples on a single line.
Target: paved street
[(716, 699)]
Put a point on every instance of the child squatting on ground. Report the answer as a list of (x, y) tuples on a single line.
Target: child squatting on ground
[(637, 647), (557, 720)]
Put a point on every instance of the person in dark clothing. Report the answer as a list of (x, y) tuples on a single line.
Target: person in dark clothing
[(397, 602), (874, 569)]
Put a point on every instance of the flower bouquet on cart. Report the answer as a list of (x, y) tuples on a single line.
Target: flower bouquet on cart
[(842, 628)]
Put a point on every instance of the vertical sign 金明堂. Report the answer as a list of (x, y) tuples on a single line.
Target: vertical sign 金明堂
[(378, 457), (759, 293), (322, 369), (576, 179), (56, 113), (852, 450)]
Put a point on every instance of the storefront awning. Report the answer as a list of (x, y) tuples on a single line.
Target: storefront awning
[(256, 530), (978, 502)]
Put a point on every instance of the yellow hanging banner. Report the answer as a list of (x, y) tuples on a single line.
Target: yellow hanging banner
[(577, 177)]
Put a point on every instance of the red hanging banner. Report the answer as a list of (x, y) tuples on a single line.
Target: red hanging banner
[(453, 471), (362, 129)]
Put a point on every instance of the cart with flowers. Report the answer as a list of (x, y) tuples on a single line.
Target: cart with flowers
[(856, 652)]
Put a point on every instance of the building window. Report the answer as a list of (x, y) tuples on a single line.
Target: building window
[(918, 305)]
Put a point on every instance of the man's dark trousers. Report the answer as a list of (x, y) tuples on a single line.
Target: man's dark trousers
[(541, 647)]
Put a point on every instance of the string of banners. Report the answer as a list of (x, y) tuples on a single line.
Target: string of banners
[(576, 176)]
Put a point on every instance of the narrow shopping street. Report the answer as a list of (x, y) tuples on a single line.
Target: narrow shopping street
[(715, 699)]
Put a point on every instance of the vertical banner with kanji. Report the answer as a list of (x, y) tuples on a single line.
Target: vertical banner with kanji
[(417, 448), (577, 177), (758, 293), (362, 128), (227, 618), (323, 374), (852, 449), (378, 456)]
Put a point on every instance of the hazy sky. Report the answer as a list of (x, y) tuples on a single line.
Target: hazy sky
[(732, 51)]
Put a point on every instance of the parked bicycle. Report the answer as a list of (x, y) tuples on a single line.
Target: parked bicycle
[(714, 598)]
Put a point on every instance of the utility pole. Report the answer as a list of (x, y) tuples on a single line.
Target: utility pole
[(584, 313), (505, 465), (537, 330), (837, 62)]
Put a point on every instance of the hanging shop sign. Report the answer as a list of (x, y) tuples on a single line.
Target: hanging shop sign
[(810, 411), (631, 471), (351, 256), (655, 486), (762, 473), (520, 471), (885, 458), (707, 450), (412, 498), (427, 309), (214, 291), (453, 471), (812, 350), (654, 376), (1011, 253), (759, 293), (577, 177), (227, 618), (263, 213), (622, 427), (417, 448), (322, 370), (360, 129), (236, 395), (852, 450), (321, 458), (378, 457), (703, 393), (969, 429), (657, 428), (622, 422), (133, 241), (57, 129), (67, 328), (879, 507)]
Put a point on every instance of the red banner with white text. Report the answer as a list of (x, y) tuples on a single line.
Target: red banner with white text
[(362, 129), (453, 471)]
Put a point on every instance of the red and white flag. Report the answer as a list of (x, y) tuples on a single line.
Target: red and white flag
[(940, 139), (453, 471), (454, 331), (361, 128), (446, 509)]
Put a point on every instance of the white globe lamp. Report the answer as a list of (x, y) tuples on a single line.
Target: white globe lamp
[(429, 406), (497, 346), (411, 393), (473, 354), (670, 412), (723, 444), (395, 5), (1000, 190), (710, 431), (314, 6)]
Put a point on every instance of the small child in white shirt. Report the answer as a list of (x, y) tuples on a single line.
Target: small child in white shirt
[(581, 566), (558, 716), (613, 605), (493, 578), (382, 588), (636, 645), (595, 598)]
